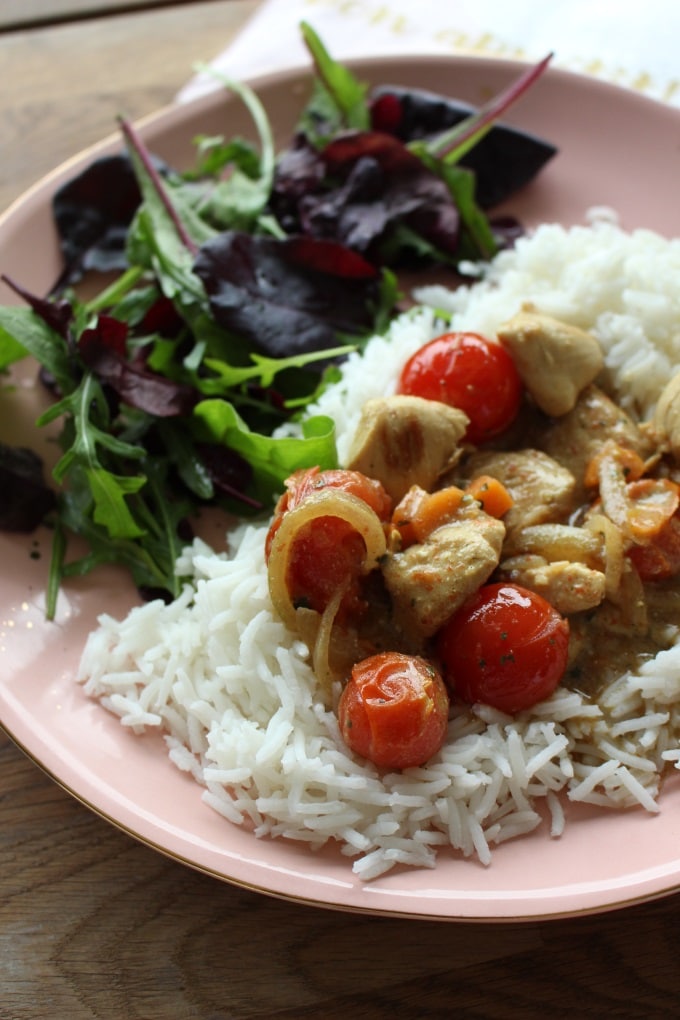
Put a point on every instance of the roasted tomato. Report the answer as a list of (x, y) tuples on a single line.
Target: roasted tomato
[(506, 647), (326, 557), (308, 480), (469, 372), (394, 710), (659, 559)]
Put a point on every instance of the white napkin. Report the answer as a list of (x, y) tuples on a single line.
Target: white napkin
[(631, 43)]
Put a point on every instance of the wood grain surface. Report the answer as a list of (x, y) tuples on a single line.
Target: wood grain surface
[(94, 924), (20, 13), (64, 86)]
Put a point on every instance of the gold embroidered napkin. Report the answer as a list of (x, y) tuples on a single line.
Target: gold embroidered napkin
[(623, 41)]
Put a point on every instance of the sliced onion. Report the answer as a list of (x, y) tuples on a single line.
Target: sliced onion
[(325, 503), (613, 543), (555, 542)]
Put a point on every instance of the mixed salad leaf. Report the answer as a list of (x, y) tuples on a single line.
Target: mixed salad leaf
[(240, 285)]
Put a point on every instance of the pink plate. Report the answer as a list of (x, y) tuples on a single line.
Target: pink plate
[(617, 149)]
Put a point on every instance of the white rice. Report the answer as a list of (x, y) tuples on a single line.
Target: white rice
[(233, 693)]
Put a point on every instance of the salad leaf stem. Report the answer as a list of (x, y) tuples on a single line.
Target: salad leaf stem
[(239, 200), (348, 93), (453, 144), (112, 294), (139, 149)]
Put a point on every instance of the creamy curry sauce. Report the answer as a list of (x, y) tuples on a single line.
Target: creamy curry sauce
[(593, 491)]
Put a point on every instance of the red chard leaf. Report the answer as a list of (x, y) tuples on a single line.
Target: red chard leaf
[(57, 314), (103, 352), (289, 296), (162, 317), (381, 186), (109, 334), (503, 161), (230, 473), (92, 213), (299, 171)]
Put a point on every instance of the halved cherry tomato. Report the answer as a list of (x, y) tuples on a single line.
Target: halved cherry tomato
[(469, 372), (394, 710), (506, 647), (328, 554)]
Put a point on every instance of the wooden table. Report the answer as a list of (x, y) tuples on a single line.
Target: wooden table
[(94, 924)]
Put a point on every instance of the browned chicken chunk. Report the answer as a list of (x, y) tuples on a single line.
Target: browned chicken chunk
[(555, 360), (578, 436), (570, 587), (541, 489), (404, 441), (666, 419), (430, 580)]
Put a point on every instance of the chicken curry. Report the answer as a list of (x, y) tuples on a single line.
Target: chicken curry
[(516, 474)]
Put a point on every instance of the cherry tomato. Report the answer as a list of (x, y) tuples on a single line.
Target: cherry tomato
[(467, 371), (328, 553), (506, 647), (326, 558), (394, 710), (660, 558), (308, 480)]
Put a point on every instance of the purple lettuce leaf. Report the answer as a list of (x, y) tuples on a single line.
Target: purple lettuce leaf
[(503, 161), (287, 297), (92, 212), (103, 351), (382, 186), (26, 499)]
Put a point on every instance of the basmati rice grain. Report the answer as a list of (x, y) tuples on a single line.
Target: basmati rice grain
[(640, 793), (592, 777), (557, 819)]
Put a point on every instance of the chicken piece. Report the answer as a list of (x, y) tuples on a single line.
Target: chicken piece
[(666, 418), (575, 438), (555, 360), (430, 580), (403, 441), (541, 489), (569, 587)]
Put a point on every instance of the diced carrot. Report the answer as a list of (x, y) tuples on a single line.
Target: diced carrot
[(492, 494), (653, 502), (419, 512), (437, 509), (404, 512)]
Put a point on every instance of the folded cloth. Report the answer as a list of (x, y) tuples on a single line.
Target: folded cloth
[(622, 41)]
